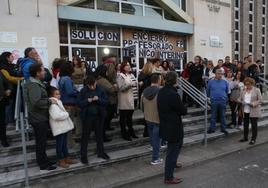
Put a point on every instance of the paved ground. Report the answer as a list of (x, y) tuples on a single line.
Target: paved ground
[(208, 176), (246, 169)]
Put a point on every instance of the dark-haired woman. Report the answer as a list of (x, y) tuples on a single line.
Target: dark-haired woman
[(4, 93), (126, 101), (69, 98), (9, 71), (111, 91), (79, 73)]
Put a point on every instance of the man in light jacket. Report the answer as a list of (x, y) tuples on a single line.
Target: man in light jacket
[(149, 102)]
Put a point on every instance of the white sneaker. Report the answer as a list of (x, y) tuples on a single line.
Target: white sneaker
[(157, 162), (163, 146), (150, 148)]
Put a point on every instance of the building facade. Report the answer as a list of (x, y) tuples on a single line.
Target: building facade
[(250, 29), (137, 30)]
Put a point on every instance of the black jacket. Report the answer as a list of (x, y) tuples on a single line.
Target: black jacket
[(4, 85), (196, 73), (170, 108), (92, 109)]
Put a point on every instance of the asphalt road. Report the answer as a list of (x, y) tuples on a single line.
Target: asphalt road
[(246, 169)]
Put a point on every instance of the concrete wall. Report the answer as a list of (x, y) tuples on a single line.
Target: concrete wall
[(26, 24), (206, 24)]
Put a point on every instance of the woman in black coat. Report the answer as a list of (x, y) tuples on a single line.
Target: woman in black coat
[(5, 92), (171, 108)]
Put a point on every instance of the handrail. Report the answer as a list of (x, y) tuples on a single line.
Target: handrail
[(198, 96), (17, 106), (264, 82)]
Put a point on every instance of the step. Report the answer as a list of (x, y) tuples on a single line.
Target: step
[(115, 145), (17, 177)]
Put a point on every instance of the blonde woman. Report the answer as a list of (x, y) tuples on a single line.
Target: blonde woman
[(251, 101)]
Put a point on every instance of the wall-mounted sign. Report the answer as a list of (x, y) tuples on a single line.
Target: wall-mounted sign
[(215, 5), (215, 42), (39, 42), (92, 35), (8, 37), (155, 45)]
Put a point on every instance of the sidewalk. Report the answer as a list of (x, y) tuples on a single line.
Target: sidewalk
[(120, 175)]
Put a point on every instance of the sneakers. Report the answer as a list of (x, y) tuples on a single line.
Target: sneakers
[(48, 168), (84, 160), (243, 140), (252, 142), (163, 146), (157, 162)]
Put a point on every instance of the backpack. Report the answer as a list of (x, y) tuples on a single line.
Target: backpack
[(18, 67)]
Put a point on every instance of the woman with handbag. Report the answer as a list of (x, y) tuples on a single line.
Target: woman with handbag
[(236, 86), (60, 124), (250, 99)]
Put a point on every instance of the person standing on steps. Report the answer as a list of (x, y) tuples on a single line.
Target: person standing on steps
[(5, 92), (171, 108), (126, 101), (218, 93), (38, 105), (92, 99), (149, 106), (251, 101), (61, 124)]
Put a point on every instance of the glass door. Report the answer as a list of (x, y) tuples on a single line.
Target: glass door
[(87, 55)]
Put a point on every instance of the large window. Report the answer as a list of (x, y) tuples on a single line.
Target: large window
[(147, 8)]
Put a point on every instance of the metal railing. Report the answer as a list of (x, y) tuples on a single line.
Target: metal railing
[(22, 125), (200, 98)]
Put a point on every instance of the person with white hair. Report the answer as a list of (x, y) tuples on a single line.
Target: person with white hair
[(217, 91)]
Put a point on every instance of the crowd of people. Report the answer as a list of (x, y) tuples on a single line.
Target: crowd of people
[(72, 100)]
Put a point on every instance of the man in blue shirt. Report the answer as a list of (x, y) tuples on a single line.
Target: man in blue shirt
[(218, 93)]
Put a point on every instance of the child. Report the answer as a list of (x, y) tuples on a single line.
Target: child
[(60, 124)]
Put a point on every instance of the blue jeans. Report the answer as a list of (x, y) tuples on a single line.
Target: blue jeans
[(153, 130), (215, 106), (173, 151), (61, 146)]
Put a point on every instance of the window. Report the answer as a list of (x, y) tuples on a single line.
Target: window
[(63, 32), (250, 48), (263, 40), (82, 33), (236, 14), (237, 46), (132, 9), (64, 52), (263, 30), (250, 28), (250, 38), (108, 5), (250, 18), (85, 4), (236, 56), (108, 36), (263, 2), (153, 12), (236, 36), (263, 50), (263, 11), (250, 6), (237, 3), (236, 25)]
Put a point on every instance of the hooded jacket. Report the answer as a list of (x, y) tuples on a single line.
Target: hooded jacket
[(149, 104), (37, 101), (25, 65)]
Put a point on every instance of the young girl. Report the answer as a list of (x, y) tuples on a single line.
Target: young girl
[(61, 124)]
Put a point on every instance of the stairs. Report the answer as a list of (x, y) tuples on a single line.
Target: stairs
[(11, 159)]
